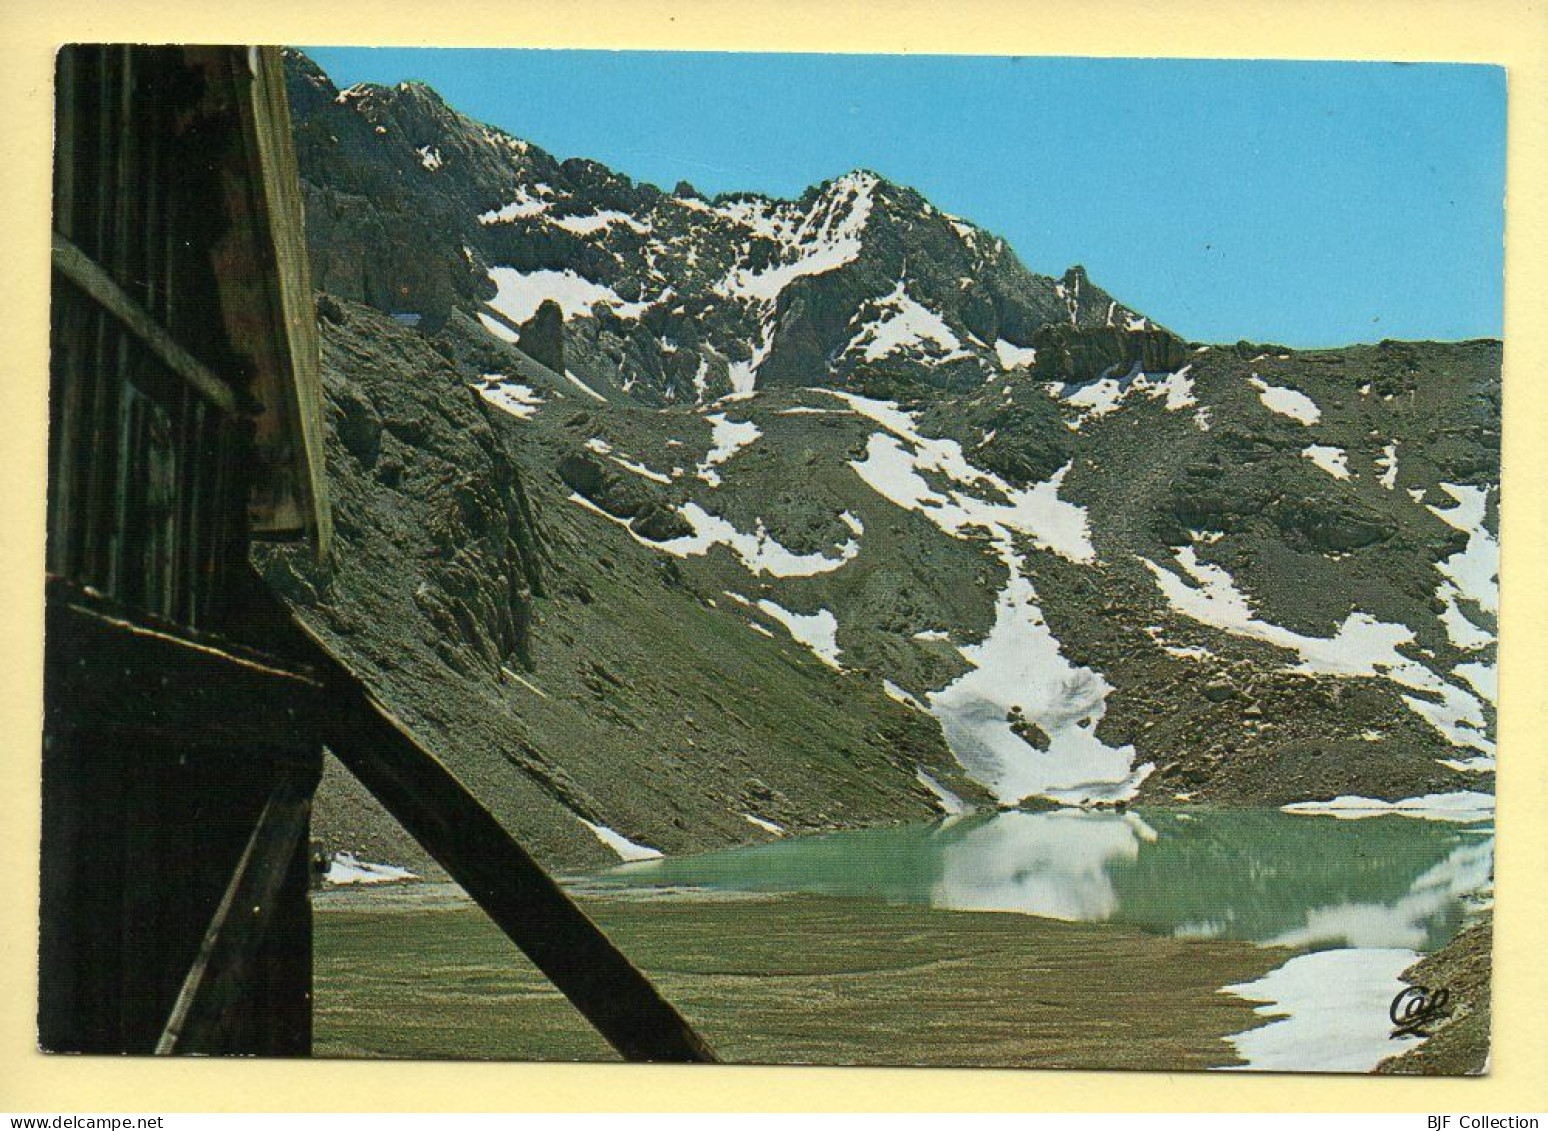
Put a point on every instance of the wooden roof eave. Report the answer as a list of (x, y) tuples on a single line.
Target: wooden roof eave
[(267, 261)]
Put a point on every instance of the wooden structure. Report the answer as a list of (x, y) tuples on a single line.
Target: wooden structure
[(185, 712)]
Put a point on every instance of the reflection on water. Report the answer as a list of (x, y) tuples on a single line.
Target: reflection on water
[(1250, 874)]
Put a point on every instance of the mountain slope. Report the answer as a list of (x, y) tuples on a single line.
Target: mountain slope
[(827, 512)]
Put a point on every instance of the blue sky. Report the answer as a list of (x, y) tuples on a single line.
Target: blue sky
[(1303, 203)]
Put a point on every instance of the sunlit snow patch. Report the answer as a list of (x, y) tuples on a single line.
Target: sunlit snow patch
[(727, 437), (627, 850), (497, 328), (903, 323), (1019, 664), (758, 551), (1387, 464), (1459, 627), (521, 401), (1484, 678), (1332, 460), (1363, 646), (523, 207), (895, 459), (346, 868), (1013, 356), (583, 387), (1332, 1012), (818, 631), (640, 469), (599, 221), (1463, 806), (1287, 402), (1107, 395), (520, 293), (895, 692), (819, 241), (1474, 570), (949, 802)]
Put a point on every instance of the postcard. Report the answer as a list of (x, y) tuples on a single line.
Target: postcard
[(773, 558)]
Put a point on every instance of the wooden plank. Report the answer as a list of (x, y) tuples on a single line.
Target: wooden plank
[(75, 265), (502, 877), (213, 985), (111, 667), (292, 492)]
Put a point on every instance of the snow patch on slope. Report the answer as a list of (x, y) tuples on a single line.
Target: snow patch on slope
[(1286, 402), (520, 293), (727, 437), (818, 631), (1013, 356), (1330, 1011), (1363, 646), (758, 551), (950, 803), (523, 207), (903, 323), (521, 401), (347, 868), (1387, 464), (1107, 395), (827, 237), (626, 849), (1475, 569), (1019, 666), (1335, 461), (1464, 806), (599, 221), (896, 458)]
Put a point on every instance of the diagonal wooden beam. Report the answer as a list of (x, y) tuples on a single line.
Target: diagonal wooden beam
[(87, 274), (502, 877), (236, 930)]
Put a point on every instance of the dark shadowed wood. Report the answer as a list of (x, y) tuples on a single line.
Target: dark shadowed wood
[(185, 416), (231, 946), (107, 665), (501, 876), (75, 265)]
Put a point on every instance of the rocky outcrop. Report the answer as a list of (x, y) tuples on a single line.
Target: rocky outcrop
[(418, 474), (542, 336), (561, 676), (1077, 355)]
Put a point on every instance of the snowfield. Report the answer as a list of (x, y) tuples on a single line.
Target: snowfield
[(1286, 402), (1363, 646)]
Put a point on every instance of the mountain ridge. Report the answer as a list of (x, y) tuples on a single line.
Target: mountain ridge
[(688, 297)]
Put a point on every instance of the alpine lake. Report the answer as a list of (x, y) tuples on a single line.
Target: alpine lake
[(1161, 939)]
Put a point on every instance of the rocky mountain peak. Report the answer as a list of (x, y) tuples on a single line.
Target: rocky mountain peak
[(664, 297)]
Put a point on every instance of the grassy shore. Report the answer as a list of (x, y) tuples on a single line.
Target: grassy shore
[(419, 972), (1460, 1045)]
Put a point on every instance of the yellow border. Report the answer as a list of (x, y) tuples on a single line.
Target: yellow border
[(1512, 32)]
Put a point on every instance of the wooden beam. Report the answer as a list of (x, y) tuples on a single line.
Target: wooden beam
[(290, 426), (75, 265), (110, 667), (213, 984), (502, 877)]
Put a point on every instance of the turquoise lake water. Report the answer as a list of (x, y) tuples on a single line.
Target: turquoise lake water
[(1258, 875)]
